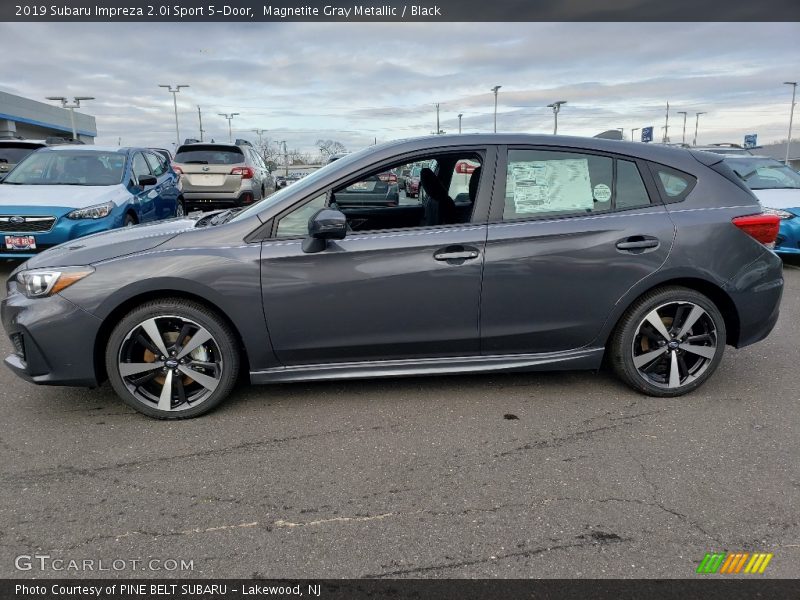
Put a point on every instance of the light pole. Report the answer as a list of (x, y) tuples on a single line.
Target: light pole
[(683, 138), (494, 89), (230, 118), (76, 103), (634, 130), (791, 116), (285, 158), (174, 91), (696, 125), (556, 106), (459, 121)]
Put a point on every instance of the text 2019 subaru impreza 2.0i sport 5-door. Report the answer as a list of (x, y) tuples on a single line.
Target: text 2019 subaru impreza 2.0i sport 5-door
[(562, 250)]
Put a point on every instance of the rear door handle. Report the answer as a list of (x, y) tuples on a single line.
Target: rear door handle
[(637, 242), (456, 253)]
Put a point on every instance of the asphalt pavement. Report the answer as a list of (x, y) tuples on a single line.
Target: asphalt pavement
[(515, 475)]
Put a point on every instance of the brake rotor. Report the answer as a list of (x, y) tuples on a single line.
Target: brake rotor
[(170, 338), (644, 342)]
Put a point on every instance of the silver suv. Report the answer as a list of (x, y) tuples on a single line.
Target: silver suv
[(214, 175), (14, 150)]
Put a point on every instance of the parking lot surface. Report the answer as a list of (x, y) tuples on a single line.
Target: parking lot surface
[(516, 475)]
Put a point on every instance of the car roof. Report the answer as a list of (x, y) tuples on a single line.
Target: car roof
[(86, 148)]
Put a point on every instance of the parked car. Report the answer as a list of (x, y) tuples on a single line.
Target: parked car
[(215, 175), (61, 193), (377, 190), (726, 149), (412, 183), (574, 249), (13, 150), (778, 188)]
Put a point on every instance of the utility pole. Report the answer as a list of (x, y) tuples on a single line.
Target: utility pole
[(285, 159), (791, 117), (634, 130), (556, 106), (666, 126), (174, 93), (438, 129), (696, 126), (459, 121), (76, 103), (200, 118), (494, 89), (230, 118), (683, 137)]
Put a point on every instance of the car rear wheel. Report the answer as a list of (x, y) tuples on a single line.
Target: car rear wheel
[(180, 211), (669, 342), (172, 359)]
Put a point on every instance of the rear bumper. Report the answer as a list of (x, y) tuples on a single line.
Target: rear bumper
[(756, 290), (54, 340), (204, 201), (788, 241)]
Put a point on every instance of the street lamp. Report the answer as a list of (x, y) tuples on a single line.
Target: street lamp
[(556, 106), (683, 139), (791, 116), (174, 91), (696, 125), (634, 130), (230, 118), (459, 121), (76, 103), (494, 89)]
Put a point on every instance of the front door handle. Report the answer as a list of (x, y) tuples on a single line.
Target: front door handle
[(638, 243), (456, 254)]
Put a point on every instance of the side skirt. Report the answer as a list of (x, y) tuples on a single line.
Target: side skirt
[(582, 359)]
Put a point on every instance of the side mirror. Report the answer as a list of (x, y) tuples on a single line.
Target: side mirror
[(146, 180), (326, 224)]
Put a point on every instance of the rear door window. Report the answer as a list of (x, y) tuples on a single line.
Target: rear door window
[(630, 190), (203, 154)]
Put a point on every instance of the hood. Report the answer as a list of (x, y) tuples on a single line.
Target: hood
[(110, 244), (782, 198), (67, 196)]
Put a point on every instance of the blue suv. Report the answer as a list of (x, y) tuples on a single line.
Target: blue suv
[(58, 194)]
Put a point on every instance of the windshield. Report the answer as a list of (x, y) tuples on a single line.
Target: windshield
[(302, 184), (199, 154), (69, 167), (13, 154), (765, 173)]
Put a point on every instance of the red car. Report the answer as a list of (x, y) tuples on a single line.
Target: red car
[(412, 183)]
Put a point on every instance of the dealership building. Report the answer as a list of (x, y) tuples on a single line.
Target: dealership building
[(29, 119)]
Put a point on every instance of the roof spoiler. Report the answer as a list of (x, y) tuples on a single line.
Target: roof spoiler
[(707, 158)]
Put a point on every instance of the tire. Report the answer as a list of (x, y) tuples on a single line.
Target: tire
[(198, 381), (676, 357), (129, 220), (180, 209)]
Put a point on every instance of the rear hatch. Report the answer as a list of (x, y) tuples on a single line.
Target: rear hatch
[(13, 152), (209, 167)]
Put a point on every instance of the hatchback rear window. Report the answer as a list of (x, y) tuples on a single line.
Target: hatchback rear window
[(209, 155)]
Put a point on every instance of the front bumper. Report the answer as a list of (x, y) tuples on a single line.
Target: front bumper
[(64, 230), (53, 339)]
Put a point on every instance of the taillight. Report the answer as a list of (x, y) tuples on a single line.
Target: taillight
[(388, 177), (245, 172), (762, 228), (177, 169)]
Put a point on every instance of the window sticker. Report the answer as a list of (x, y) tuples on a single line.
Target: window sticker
[(551, 186), (602, 193)]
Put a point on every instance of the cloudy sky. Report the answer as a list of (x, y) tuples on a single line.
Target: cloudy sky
[(356, 83)]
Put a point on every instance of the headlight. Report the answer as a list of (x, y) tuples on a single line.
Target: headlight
[(783, 214), (39, 283), (98, 211)]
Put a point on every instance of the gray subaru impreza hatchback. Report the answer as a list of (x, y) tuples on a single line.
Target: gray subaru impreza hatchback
[(521, 253)]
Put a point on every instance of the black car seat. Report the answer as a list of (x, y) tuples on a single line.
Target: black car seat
[(439, 206), (474, 180)]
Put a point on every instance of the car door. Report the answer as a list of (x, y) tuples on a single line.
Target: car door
[(570, 232), (399, 293), (167, 199), (146, 195)]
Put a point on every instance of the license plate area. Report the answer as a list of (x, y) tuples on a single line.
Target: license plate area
[(20, 242)]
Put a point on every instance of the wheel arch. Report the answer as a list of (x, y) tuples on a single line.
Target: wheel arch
[(117, 313), (710, 289)]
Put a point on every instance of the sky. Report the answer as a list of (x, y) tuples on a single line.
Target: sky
[(358, 83)]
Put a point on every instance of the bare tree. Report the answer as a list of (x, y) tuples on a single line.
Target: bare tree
[(328, 148)]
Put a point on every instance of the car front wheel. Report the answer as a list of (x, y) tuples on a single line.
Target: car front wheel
[(172, 359), (669, 342)]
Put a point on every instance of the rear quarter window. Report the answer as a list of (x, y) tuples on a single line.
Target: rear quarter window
[(673, 185)]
